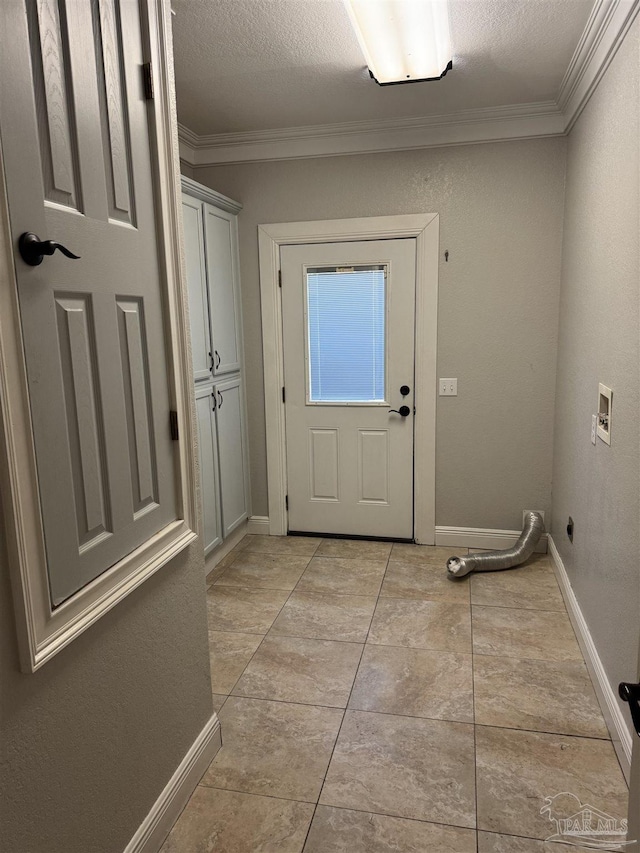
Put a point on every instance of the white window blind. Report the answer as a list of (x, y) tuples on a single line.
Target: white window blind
[(346, 334)]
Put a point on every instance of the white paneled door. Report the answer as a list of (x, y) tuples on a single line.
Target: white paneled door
[(348, 327), (79, 172)]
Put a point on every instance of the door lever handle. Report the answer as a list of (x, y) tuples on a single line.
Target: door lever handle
[(33, 249), (631, 693), (405, 411)]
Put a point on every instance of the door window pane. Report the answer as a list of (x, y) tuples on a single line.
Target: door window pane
[(346, 334)]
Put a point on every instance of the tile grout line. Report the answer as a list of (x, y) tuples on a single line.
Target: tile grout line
[(475, 725), (366, 642), (346, 707), (264, 636), (349, 809)]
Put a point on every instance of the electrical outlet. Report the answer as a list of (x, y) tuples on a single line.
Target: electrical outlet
[(525, 511), (448, 387), (594, 427)]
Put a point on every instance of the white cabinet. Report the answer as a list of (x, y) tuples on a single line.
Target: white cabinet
[(212, 264), (197, 284), (220, 229), (231, 437), (209, 473)]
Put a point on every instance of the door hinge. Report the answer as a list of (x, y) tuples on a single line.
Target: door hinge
[(279, 278), (286, 502), (173, 425), (283, 395), (147, 81)]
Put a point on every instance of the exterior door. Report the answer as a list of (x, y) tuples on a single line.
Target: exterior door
[(75, 139), (348, 328)]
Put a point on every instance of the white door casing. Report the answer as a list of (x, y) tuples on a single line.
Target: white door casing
[(425, 228), (349, 460), (634, 787), (95, 393)]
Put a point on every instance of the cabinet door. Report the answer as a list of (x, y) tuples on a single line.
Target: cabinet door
[(209, 476), (196, 281), (222, 276), (231, 448)]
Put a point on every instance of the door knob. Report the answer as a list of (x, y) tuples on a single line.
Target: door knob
[(33, 249), (403, 410), (631, 693)]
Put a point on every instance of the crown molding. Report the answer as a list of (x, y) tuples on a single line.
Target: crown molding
[(604, 32), (468, 126), (197, 190), (188, 141)]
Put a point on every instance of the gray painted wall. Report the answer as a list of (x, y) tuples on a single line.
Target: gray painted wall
[(89, 741), (598, 342), (500, 209)]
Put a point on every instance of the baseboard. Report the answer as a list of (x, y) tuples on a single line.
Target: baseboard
[(462, 537), (479, 537), (258, 524), (154, 829), (614, 718), (212, 559)]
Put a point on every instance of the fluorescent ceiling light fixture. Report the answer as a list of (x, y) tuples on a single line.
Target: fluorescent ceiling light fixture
[(403, 41)]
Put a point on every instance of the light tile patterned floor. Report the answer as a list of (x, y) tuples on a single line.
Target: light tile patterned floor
[(369, 705)]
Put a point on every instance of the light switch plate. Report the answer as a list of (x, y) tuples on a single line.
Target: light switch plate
[(448, 387)]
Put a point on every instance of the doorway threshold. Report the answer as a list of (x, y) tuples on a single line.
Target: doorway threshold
[(350, 536)]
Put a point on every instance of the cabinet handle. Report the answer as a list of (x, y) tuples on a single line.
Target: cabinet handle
[(218, 359), (215, 405), (220, 400), (211, 364)]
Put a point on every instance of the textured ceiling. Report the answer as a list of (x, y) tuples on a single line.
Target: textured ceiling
[(245, 65)]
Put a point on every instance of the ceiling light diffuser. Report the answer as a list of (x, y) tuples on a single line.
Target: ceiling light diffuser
[(403, 41)]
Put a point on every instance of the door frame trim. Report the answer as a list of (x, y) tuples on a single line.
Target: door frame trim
[(42, 631), (424, 227)]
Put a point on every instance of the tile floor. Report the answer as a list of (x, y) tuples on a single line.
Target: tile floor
[(369, 705)]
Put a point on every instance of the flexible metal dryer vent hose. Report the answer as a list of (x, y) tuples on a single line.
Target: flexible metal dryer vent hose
[(495, 561)]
